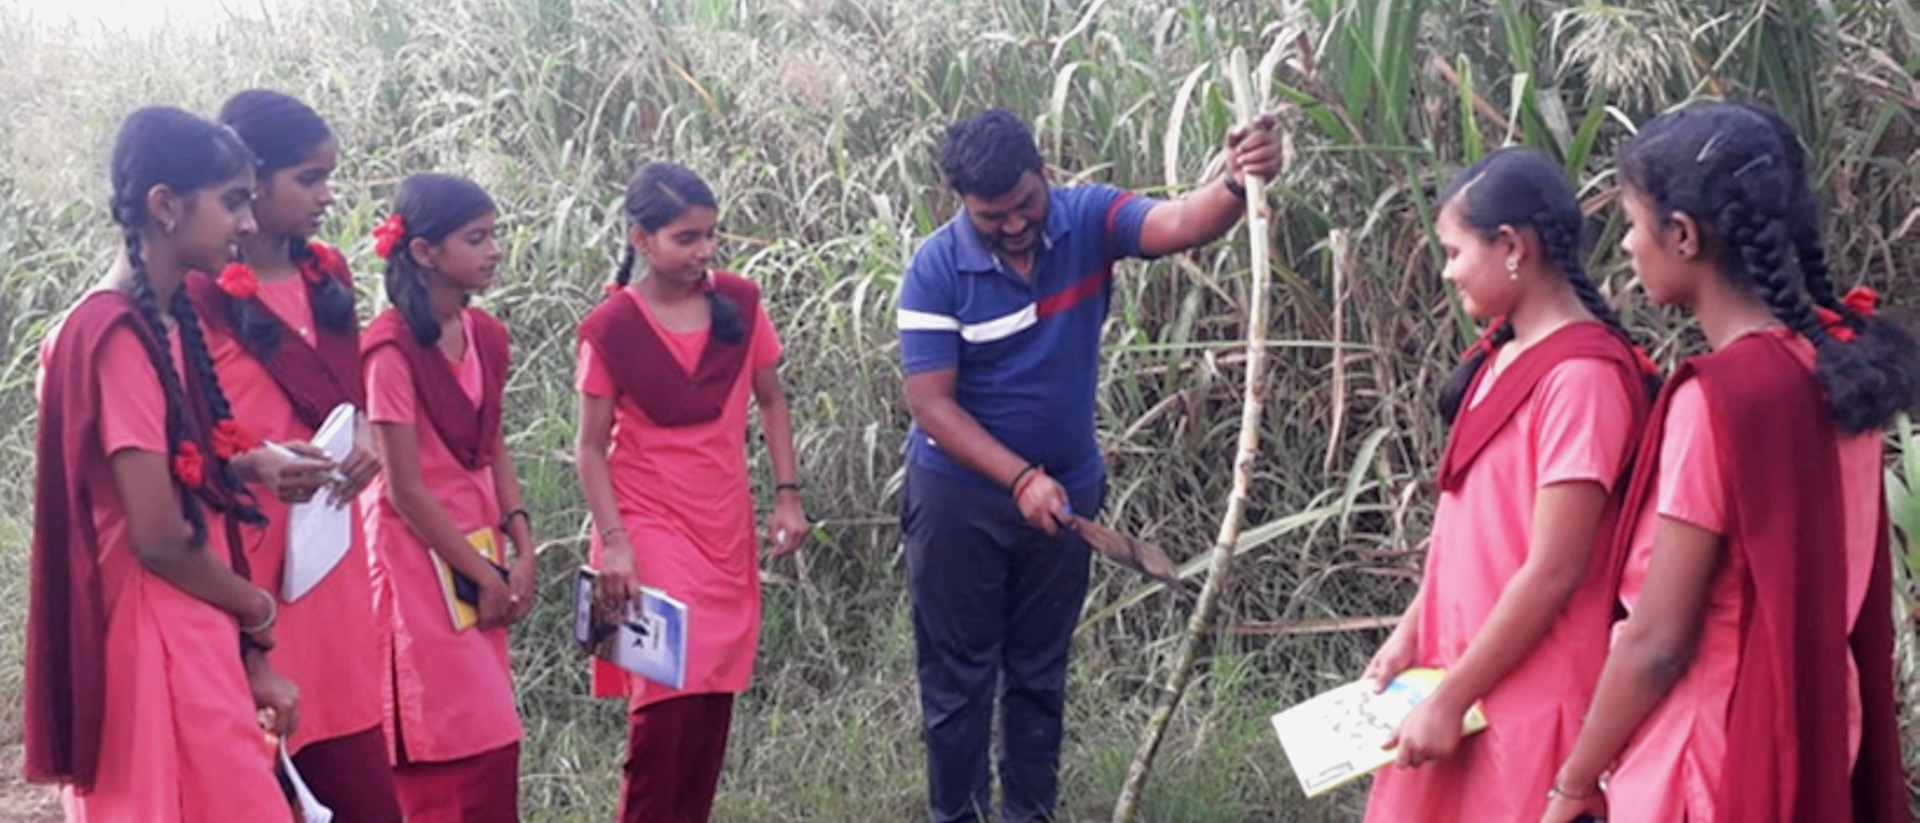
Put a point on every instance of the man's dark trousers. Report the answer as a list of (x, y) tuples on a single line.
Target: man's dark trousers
[(995, 602)]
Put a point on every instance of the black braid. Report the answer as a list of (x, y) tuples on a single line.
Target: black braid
[(255, 325), (727, 325), (1804, 233), (624, 274), (1562, 245), (147, 303), (407, 290), (193, 344), (1758, 242), (1454, 393), (1803, 217), (332, 300)]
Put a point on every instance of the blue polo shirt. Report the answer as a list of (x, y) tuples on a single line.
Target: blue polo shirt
[(1026, 355)]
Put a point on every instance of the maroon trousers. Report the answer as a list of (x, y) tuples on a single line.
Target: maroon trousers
[(350, 775), (675, 750), (484, 788)]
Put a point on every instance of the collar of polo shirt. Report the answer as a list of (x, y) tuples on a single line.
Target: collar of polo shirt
[(970, 252)]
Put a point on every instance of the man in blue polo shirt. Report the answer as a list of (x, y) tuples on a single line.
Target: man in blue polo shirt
[(1000, 319)]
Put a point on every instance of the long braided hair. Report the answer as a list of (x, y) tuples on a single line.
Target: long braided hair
[(658, 195), (161, 146), (1520, 188), (282, 133), (1738, 170)]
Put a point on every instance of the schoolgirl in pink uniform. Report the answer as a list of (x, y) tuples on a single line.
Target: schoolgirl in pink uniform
[(1752, 680), (668, 366), (147, 649), (283, 335), (435, 372), (1516, 596)]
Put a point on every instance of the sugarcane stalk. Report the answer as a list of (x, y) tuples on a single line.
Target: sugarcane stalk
[(1252, 408)]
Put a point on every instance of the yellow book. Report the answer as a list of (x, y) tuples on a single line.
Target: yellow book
[(463, 595), (1335, 737)]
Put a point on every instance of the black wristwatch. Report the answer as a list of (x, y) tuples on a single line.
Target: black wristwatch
[(1235, 187)]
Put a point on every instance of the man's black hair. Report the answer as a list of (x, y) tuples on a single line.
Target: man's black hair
[(986, 154)]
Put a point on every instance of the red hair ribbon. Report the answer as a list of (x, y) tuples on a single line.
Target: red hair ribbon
[(230, 440), (324, 261), (238, 282), (1484, 345), (186, 465), (386, 236), (1646, 363), (1862, 301)]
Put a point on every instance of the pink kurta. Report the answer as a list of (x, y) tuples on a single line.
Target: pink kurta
[(180, 741), (448, 694), (1671, 768), (326, 643), (688, 510), (1576, 427)]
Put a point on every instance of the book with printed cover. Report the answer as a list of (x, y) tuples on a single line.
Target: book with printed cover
[(1335, 737), (649, 639)]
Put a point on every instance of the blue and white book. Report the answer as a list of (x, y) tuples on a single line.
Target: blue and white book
[(648, 639)]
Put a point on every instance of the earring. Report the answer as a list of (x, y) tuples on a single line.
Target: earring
[(167, 226), (1513, 269)]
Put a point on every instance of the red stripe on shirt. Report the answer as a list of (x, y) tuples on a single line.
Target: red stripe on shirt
[(1113, 218), (1073, 295)]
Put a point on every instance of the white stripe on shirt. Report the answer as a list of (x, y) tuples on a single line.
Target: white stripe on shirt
[(910, 320), (1001, 328)]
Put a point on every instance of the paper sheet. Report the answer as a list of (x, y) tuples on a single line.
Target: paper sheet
[(318, 532)]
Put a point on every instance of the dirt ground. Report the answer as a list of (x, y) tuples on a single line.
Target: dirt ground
[(20, 801)]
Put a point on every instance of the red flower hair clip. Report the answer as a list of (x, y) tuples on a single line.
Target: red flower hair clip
[(187, 466), (387, 235), (238, 282), (230, 440)]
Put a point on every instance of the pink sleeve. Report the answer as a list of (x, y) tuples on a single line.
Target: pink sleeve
[(590, 376), (136, 417), (390, 397), (1583, 420), (766, 342), (1690, 489)]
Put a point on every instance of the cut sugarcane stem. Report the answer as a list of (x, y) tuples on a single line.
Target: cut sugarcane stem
[(1251, 410)]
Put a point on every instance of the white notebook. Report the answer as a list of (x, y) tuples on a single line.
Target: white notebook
[(319, 532), (1335, 737)]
